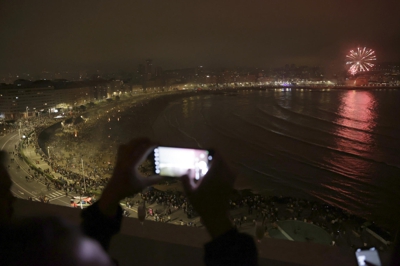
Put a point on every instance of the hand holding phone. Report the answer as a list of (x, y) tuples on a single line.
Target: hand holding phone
[(210, 196)]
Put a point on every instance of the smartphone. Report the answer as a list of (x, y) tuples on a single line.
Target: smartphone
[(176, 162), (368, 256)]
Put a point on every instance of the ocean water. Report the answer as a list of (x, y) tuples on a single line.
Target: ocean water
[(338, 146)]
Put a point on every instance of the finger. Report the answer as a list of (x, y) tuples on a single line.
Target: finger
[(147, 149), (137, 150), (219, 172), (136, 145), (188, 186), (137, 141)]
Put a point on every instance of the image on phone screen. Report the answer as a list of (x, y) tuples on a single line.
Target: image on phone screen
[(176, 162)]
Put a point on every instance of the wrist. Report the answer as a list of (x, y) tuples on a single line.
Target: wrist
[(217, 225), (109, 202)]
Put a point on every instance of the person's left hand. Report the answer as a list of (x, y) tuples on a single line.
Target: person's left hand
[(126, 179)]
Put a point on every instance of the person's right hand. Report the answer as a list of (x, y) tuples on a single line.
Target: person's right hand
[(210, 196)]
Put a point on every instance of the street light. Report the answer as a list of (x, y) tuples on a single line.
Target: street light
[(83, 174), (27, 108), (48, 151)]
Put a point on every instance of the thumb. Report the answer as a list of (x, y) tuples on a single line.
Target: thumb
[(187, 184)]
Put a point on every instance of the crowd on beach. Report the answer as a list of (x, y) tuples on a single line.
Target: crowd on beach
[(250, 210), (83, 153)]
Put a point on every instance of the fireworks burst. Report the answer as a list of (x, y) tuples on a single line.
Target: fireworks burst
[(360, 60)]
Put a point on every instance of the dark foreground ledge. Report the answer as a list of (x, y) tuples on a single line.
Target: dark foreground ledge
[(155, 243)]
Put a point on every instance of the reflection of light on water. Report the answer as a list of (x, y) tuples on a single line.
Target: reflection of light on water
[(356, 120), (357, 112)]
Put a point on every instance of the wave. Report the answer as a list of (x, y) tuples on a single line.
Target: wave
[(295, 181), (313, 144), (258, 171), (317, 129), (179, 129), (343, 204), (359, 147), (349, 194), (333, 122), (390, 152), (339, 169), (292, 183), (329, 169)]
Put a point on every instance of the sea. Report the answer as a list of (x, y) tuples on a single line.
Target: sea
[(338, 146)]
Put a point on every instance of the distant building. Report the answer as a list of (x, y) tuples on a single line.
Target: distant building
[(18, 102), (26, 99), (387, 68), (181, 75), (73, 96)]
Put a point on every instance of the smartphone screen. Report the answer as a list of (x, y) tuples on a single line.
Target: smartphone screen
[(369, 256), (176, 162)]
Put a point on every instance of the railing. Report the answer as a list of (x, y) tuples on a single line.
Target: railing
[(155, 243)]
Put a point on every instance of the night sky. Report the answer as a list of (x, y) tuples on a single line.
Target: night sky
[(61, 35)]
